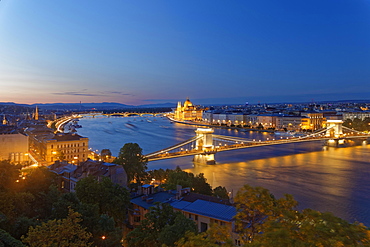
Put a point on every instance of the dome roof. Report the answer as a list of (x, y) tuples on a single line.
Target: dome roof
[(188, 103)]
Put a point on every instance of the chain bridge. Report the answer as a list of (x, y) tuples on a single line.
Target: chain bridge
[(122, 114), (205, 144)]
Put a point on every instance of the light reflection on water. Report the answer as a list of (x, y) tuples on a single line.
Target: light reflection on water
[(335, 179)]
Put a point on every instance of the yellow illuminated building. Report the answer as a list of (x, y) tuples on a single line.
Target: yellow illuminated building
[(313, 121), (14, 147), (49, 147), (188, 111)]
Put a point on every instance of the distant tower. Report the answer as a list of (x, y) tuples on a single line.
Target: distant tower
[(178, 110), (37, 113), (4, 121)]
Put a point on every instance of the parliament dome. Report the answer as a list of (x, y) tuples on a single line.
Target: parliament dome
[(187, 103)]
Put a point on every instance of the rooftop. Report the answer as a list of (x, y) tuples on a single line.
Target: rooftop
[(207, 208)]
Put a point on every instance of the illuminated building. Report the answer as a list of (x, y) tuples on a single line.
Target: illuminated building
[(188, 111), (314, 121), (69, 147), (14, 147), (70, 174), (352, 115)]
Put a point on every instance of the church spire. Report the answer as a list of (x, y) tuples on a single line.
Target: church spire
[(37, 113), (4, 120)]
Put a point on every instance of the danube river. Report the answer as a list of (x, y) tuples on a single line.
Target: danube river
[(326, 179)]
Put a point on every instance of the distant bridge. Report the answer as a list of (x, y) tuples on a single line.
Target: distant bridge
[(123, 114), (204, 145)]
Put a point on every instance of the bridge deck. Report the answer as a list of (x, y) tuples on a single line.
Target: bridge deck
[(249, 144)]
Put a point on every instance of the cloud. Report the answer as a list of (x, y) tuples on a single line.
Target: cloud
[(118, 92), (98, 94), (77, 94)]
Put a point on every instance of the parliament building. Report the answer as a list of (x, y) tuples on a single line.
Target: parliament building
[(188, 112)]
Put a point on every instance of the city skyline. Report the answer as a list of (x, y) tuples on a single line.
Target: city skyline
[(210, 51)]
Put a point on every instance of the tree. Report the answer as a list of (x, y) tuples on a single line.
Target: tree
[(159, 176), (66, 232), (179, 177), (162, 225), (172, 233), (9, 174), (312, 228), (215, 236), (131, 158), (7, 240), (200, 185), (111, 198), (106, 154), (221, 192), (255, 206)]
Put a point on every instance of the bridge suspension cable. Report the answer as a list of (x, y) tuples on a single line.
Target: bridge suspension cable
[(318, 132), (179, 145), (352, 130), (231, 138)]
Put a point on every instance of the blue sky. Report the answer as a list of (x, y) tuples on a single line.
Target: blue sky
[(142, 52)]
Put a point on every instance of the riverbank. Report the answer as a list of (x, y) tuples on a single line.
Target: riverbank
[(218, 126)]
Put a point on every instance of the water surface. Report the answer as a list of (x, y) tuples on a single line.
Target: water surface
[(325, 179)]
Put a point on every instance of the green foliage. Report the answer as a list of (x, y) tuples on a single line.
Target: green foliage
[(106, 154), (221, 192), (63, 233), (160, 176), (131, 158), (187, 179), (99, 225), (192, 239), (162, 225), (172, 233), (256, 206), (111, 198), (9, 173), (215, 236), (262, 220), (312, 228), (201, 186), (14, 205), (179, 177), (7, 240), (358, 124), (61, 206)]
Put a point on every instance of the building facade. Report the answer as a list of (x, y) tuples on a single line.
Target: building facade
[(70, 174), (352, 115), (188, 112), (202, 209), (14, 147)]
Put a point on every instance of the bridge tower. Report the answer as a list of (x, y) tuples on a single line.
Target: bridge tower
[(334, 128), (205, 144)]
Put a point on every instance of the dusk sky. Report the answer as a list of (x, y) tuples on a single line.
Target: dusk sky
[(143, 52)]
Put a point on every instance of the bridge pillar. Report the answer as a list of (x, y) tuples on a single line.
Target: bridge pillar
[(334, 128), (205, 144)]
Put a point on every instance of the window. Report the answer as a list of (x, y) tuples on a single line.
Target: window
[(137, 219), (196, 217), (203, 227)]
